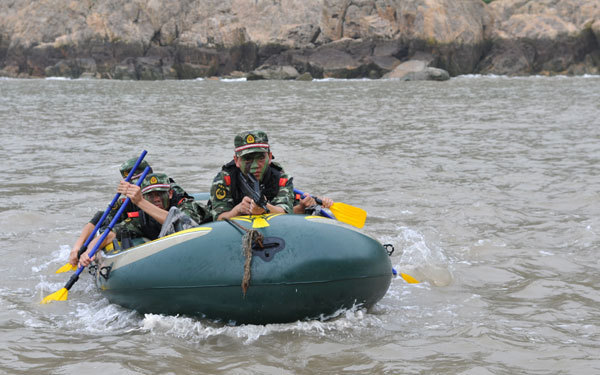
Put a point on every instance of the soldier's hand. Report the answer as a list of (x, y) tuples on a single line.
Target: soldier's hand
[(307, 201), (256, 209), (131, 191), (326, 202), (73, 257), (85, 259), (244, 207)]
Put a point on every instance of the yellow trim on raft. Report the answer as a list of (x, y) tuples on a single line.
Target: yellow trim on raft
[(258, 221)]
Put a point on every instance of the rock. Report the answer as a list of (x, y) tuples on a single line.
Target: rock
[(273, 72), (417, 70), (326, 38), (304, 77), (72, 68)]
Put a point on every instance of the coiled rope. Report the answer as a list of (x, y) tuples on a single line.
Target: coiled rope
[(250, 236)]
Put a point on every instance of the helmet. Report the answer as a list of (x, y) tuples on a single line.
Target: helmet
[(126, 167)]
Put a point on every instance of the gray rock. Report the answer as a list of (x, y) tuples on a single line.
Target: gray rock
[(327, 38), (273, 72), (304, 77), (417, 70)]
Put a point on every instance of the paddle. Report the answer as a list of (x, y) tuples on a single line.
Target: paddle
[(61, 294), (344, 212), (69, 267), (408, 278)]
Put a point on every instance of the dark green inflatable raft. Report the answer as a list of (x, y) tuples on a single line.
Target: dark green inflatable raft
[(309, 267)]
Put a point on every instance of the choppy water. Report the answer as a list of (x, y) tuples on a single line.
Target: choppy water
[(488, 187)]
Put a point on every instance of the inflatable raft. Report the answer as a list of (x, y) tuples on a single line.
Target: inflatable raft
[(308, 267)]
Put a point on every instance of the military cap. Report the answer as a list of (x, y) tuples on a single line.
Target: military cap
[(251, 141), (155, 182), (126, 167)]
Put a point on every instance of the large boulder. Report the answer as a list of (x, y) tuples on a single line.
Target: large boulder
[(543, 36), (417, 70)]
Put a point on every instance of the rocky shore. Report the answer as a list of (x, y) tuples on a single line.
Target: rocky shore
[(297, 39)]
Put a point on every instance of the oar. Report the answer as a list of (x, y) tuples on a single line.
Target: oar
[(408, 278), (61, 295), (69, 267), (344, 212)]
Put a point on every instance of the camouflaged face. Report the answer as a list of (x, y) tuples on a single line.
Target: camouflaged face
[(251, 141), (126, 167)]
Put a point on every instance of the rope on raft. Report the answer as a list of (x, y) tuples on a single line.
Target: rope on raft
[(250, 236)]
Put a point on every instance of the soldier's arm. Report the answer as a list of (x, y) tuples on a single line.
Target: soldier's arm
[(221, 200), (284, 200)]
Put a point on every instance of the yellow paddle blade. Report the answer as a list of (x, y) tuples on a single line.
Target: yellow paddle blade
[(60, 295), (66, 268), (409, 279), (349, 214)]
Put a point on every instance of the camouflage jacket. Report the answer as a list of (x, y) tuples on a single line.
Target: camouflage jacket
[(226, 193), (139, 224)]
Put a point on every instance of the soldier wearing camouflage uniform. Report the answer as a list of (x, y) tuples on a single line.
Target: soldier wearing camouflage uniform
[(124, 170), (146, 224), (252, 156), (89, 227), (156, 201)]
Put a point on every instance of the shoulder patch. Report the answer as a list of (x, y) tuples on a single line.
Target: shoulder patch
[(221, 192)]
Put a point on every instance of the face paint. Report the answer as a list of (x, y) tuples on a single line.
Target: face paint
[(158, 198), (255, 164)]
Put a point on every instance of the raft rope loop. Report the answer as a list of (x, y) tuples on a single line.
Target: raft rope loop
[(250, 236)]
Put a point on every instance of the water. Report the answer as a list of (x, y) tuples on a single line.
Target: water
[(486, 186)]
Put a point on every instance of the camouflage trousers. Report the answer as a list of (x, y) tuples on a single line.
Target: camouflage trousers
[(176, 221)]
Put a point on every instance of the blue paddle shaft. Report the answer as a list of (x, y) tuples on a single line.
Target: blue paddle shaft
[(111, 204), (323, 212), (113, 222)]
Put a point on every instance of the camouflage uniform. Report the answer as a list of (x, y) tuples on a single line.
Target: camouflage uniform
[(124, 170), (226, 193), (139, 224)]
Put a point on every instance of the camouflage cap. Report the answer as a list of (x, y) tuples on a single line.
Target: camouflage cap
[(125, 168), (251, 141), (156, 182)]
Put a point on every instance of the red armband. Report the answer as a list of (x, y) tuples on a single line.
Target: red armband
[(227, 180), (282, 181), (133, 214)]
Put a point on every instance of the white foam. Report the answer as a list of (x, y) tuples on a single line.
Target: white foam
[(57, 78), (200, 330)]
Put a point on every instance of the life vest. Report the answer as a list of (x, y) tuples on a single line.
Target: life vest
[(270, 184)]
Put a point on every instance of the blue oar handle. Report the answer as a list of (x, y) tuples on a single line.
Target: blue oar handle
[(75, 276), (110, 206), (319, 201)]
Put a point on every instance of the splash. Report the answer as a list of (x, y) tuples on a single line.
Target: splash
[(420, 259), (201, 330)]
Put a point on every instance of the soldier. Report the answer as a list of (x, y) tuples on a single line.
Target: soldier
[(252, 155), (307, 204), (124, 169), (156, 200)]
